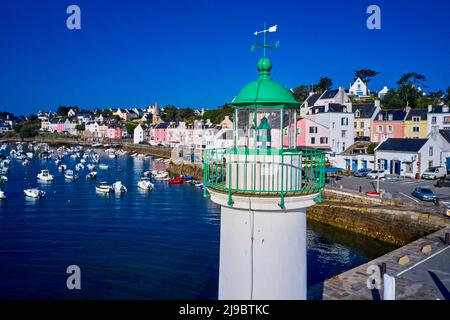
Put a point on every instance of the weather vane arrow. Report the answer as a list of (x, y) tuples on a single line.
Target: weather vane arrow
[(265, 46)]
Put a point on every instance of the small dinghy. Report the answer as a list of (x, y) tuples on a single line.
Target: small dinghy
[(90, 166), (91, 175), (79, 166), (103, 166), (3, 179), (2, 195), (62, 167)]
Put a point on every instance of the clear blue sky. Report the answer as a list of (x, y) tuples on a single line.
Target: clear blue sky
[(197, 53)]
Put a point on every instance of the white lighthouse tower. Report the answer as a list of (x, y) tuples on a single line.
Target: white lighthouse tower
[(264, 184)]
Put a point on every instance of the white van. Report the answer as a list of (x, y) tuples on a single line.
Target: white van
[(434, 173)]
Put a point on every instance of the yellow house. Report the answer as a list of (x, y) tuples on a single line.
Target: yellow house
[(416, 124)]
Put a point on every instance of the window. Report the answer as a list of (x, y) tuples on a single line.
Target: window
[(430, 163), (430, 152), (323, 140), (312, 129), (357, 114), (343, 146), (356, 125), (433, 120), (416, 129), (390, 117), (380, 129), (415, 119), (333, 125), (361, 125), (344, 121), (343, 133), (299, 131), (380, 117), (313, 140), (389, 129)]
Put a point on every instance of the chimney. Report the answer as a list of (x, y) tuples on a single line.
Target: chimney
[(407, 109), (341, 88), (378, 103), (445, 108), (430, 108)]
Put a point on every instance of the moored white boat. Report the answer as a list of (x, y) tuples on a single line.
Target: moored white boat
[(3, 179), (112, 155), (90, 166), (103, 166), (79, 166), (62, 167), (2, 195), (70, 175), (104, 187), (45, 175), (91, 175), (34, 193), (145, 184), (119, 187)]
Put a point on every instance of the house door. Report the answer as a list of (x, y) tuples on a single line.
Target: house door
[(391, 166), (347, 164), (448, 165), (354, 165), (396, 167), (364, 164)]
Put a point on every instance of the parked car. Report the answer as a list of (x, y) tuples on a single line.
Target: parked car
[(434, 173), (443, 182), (361, 172), (374, 174), (424, 194)]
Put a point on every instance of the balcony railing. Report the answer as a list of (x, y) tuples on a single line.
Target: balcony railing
[(265, 172)]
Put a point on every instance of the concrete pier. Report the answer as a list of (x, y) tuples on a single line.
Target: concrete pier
[(421, 270)]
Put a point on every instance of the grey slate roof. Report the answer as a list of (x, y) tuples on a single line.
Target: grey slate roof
[(405, 145), (332, 107), (422, 113), (438, 109), (366, 110), (397, 115), (445, 134)]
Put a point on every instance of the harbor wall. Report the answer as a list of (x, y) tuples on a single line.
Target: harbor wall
[(159, 152), (194, 170), (387, 221)]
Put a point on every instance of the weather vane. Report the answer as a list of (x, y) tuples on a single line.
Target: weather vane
[(265, 46)]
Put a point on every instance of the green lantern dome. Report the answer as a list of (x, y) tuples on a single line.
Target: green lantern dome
[(265, 92)]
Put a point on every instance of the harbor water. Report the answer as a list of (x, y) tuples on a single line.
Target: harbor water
[(162, 244)]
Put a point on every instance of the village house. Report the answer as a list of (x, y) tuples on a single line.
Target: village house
[(312, 134), (358, 89), (340, 121), (141, 134), (382, 93), (364, 116), (409, 157), (160, 133), (438, 118), (355, 157), (416, 124), (388, 124)]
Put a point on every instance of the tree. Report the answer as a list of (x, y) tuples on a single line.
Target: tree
[(392, 100), (447, 98), (63, 110), (170, 113), (324, 84), (436, 97), (80, 127), (301, 93), (412, 78), (365, 75), (130, 127)]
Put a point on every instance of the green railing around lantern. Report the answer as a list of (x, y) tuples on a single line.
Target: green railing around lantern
[(265, 172)]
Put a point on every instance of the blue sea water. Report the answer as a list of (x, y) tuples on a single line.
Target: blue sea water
[(162, 244)]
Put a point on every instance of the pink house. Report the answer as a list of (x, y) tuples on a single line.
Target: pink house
[(160, 133), (312, 134), (388, 124), (60, 127)]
